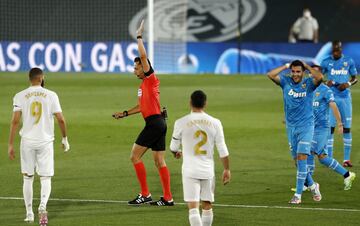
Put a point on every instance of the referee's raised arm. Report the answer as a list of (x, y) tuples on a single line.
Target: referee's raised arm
[(141, 48)]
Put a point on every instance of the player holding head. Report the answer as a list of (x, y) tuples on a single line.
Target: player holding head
[(339, 68), (153, 135), (198, 133), (298, 93), (36, 106), (323, 101)]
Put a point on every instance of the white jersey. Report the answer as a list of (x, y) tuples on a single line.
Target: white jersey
[(38, 106), (198, 133)]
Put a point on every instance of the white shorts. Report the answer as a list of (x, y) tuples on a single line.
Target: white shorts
[(196, 190), (37, 156)]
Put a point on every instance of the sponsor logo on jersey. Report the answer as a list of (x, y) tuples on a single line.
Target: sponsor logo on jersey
[(295, 94), (316, 104), (339, 72)]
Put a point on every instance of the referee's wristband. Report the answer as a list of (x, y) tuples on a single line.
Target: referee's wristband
[(349, 83), (139, 37), (125, 113)]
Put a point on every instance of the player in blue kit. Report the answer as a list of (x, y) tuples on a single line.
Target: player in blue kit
[(298, 94), (338, 68), (323, 100)]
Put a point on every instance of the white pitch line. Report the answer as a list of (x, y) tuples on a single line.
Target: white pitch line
[(181, 203)]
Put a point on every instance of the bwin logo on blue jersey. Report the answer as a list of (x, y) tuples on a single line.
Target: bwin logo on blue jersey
[(338, 72), (295, 94), (316, 104)]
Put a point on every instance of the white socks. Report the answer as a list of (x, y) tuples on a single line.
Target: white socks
[(45, 191), (205, 220), (207, 217), (194, 217), (28, 193)]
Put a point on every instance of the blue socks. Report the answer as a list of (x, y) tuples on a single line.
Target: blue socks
[(310, 170), (333, 164), (300, 176), (330, 145), (347, 138)]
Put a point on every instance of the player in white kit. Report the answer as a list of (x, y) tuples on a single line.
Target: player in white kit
[(196, 134), (36, 106)]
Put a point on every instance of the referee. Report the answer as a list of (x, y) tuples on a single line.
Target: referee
[(153, 135)]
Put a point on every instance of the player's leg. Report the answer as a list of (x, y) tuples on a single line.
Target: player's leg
[(330, 139), (45, 169), (158, 130), (194, 214), (349, 177), (159, 159), (136, 154), (304, 148), (304, 136), (347, 136), (207, 197), (27, 156), (310, 166), (191, 189)]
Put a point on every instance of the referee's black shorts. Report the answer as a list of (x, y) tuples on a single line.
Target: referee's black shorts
[(154, 134)]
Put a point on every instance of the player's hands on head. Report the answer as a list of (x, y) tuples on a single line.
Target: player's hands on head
[(11, 152), (226, 177), (65, 144), (118, 115), (140, 30)]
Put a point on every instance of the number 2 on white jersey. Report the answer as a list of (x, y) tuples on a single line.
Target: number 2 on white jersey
[(36, 111), (197, 147)]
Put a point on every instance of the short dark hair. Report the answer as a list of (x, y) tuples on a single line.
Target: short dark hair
[(337, 44), (297, 63), (35, 72), (138, 60), (316, 66), (198, 99)]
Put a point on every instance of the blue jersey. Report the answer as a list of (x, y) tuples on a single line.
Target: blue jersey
[(297, 100), (322, 98), (339, 71)]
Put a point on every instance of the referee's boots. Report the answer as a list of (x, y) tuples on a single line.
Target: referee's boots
[(140, 199)]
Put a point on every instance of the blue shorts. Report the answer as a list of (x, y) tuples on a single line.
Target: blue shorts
[(318, 144), (345, 107), (300, 138)]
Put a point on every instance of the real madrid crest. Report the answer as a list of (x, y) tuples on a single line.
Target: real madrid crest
[(303, 85)]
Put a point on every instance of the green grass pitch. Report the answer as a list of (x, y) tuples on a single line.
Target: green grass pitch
[(98, 165)]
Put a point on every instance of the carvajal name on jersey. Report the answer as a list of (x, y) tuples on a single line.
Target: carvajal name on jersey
[(35, 94), (343, 71), (198, 122), (295, 94)]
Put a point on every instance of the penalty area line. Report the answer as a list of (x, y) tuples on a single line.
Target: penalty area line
[(181, 203)]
